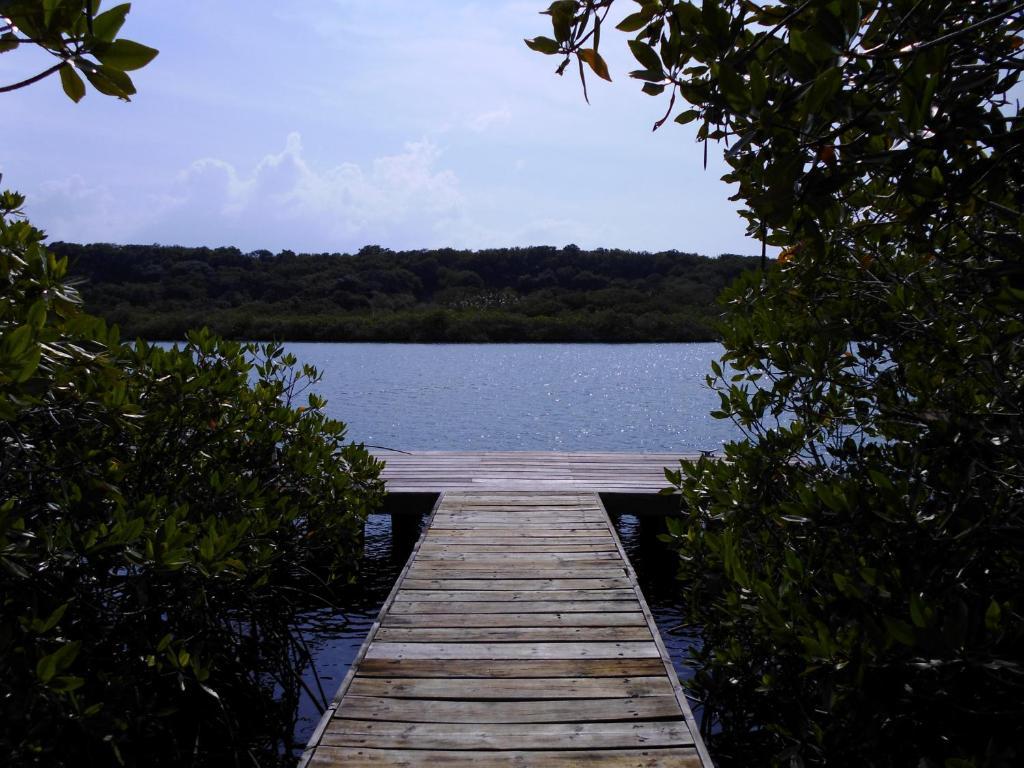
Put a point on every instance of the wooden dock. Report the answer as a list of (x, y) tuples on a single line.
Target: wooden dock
[(436, 471), (516, 635)]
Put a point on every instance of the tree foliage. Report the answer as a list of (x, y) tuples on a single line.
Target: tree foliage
[(856, 565), (501, 294), (162, 512), (81, 38)]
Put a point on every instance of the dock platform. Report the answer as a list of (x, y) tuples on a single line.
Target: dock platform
[(436, 471), (516, 635)]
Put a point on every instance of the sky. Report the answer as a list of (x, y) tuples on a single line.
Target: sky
[(327, 125)]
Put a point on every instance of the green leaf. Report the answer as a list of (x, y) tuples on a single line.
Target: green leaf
[(562, 12), (543, 45), (688, 116), (634, 22), (51, 621), (16, 342), (917, 611), (109, 81), (57, 661), (825, 87), (653, 89), (106, 26), (900, 631), (993, 615), (65, 683), (126, 55), (49, 6), (593, 58), (72, 83), (46, 668), (646, 55)]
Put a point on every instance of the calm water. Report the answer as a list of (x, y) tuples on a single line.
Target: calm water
[(545, 397), (569, 397)]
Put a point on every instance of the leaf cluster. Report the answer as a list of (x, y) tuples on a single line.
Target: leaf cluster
[(82, 38)]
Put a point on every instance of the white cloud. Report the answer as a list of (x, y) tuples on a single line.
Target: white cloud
[(485, 120), (394, 200), (282, 201)]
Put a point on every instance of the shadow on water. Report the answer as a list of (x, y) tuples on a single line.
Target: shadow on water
[(656, 566), (335, 634)]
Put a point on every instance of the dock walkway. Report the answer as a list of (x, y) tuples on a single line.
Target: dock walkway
[(436, 471), (516, 635)]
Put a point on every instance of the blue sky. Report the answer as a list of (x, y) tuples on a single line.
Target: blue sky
[(326, 125)]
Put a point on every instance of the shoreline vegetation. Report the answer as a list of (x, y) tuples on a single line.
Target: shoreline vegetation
[(536, 294)]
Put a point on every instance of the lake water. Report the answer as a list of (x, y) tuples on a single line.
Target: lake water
[(543, 397)]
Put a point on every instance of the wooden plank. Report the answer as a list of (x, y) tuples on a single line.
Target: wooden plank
[(498, 688), (526, 596), (531, 736), (363, 757), (519, 558), (531, 668), (521, 548), (525, 606), (484, 539), (432, 570), (514, 584), (512, 651), (538, 711), (516, 538), (515, 619), (512, 634), (554, 568)]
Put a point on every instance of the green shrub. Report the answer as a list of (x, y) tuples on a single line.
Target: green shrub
[(162, 512)]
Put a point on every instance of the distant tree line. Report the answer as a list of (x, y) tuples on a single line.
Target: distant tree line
[(507, 294)]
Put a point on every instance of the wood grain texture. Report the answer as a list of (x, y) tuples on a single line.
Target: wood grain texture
[(362, 757), (550, 736), (458, 473), (516, 636)]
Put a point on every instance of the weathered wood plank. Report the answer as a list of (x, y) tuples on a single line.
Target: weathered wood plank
[(520, 558), (530, 668), (514, 619), (512, 536), (498, 688), (363, 757), (523, 548), (439, 570), (525, 565), (513, 651), (524, 606), (514, 584), (531, 736), (525, 596), (537, 711), (512, 634)]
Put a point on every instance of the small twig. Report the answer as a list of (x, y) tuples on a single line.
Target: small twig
[(385, 448), (35, 79)]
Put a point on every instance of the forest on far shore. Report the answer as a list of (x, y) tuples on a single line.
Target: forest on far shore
[(503, 295)]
